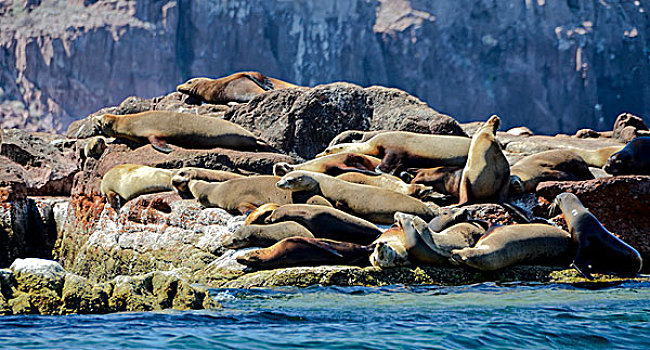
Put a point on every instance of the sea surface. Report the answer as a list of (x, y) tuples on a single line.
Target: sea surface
[(507, 316)]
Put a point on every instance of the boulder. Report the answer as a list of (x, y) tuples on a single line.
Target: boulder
[(629, 126)]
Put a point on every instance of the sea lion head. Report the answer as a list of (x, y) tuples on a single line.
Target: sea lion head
[(252, 259), (569, 204), (282, 168), (191, 86), (239, 239), (516, 185), (384, 256), (181, 178), (409, 222), (105, 123), (298, 181), (492, 124), (618, 163), (340, 148)]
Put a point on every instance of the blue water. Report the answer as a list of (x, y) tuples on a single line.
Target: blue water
[(511, 316)]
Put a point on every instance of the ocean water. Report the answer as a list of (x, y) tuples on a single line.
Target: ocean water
[(506, 316)]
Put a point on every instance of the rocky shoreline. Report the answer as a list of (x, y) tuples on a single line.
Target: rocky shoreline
[(161, 251)]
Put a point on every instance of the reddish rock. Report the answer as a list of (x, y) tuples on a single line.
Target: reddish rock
[(621, 203)]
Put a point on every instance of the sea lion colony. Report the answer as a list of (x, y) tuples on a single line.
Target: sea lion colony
[(324, 211)]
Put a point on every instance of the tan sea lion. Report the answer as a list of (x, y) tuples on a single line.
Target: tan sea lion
[(418, 250), (389, 182), (303, 251), (633, 159), (446, 217), (182, 129), (238, 87), (400, 150), (554, 165), (324, 222), (486, 176), (127, 181), (371, 203), (599, 251), (390, 249), (334, 164), (350, 136), (596, 158), (259, 215), (243, 194), (264, 235), (181, 177), (504, 246)]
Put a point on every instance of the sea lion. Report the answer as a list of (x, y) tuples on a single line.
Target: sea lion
[(264, 235), (445, 180), (238, 87), (554, 165), (324, 222), (127, 181), (390, 249), (94, 147), (418, 250), (504, 246), (520, 131), (389, 182), (457, 236), (242, 194), (599, 251), (596, 158), (371, 203), (486, 175), (400, 150), (182, 129), (633, 159), (181, 177), (446, 217), (304, 251), (259, 215), (334, 164), (350, 136)]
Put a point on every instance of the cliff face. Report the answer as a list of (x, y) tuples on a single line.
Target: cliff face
[(553, 66)]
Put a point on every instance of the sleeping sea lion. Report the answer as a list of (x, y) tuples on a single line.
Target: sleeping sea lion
[(238, 87), (390, 249), (444, 180), (181, 177), (182, 129), (264, 235), (243, 194), (324, 222), (304, 251), (554, 165), (599, 251), (334, 164), (503, 246), (389, 182), (596, 158), (350, 136), (418, 250), (400, 150), (633, 159), (486, 176), (127, 181), (371, 203), (259, 215)]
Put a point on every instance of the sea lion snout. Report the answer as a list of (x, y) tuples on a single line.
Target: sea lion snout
[(285, 184)]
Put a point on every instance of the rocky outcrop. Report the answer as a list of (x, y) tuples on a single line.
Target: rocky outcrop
[(36, 286), (304, 121), (552, 66)]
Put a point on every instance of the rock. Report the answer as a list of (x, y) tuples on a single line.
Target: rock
[(304, 121), (79, 295), (621, 204), (628, 126), (41, 281)]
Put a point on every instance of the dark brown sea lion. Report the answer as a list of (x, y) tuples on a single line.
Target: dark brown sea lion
[(181, 177), (303, 251), (599, 251), (504, 246), (127, 181), (324, 222), (182, 129), (334, 164), (238, 87), (554, 165), (371, 203), (486, 176), (400, 150), (445, 180), (350, 136), (264, 235), (389, 182), (633, 159)]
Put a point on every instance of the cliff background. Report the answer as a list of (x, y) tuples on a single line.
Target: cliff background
[(553, 66)]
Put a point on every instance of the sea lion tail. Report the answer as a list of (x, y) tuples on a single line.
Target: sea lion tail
[(261, 80)]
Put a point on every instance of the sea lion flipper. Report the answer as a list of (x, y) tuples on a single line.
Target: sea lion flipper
[(261, 80), (324, 246), (583, 272), (246, 207), (159, 144)]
